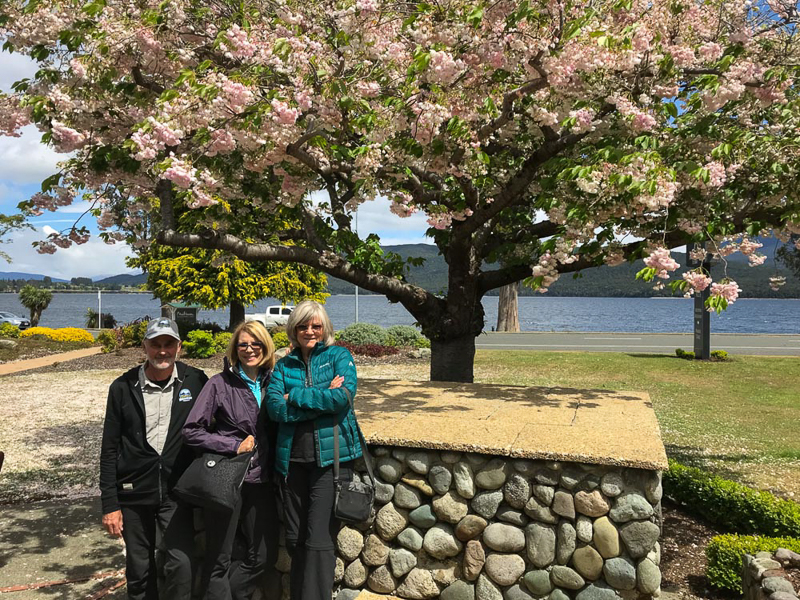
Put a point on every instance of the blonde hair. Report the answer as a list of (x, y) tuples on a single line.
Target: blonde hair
[(305, 312), (260, 333)]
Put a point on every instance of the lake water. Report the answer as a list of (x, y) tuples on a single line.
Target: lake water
[(537, 313)]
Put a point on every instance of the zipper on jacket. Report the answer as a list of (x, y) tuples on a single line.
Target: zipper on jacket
[(317, 445), (160, 493)]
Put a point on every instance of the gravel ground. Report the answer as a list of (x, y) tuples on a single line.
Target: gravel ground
[(51, 423)]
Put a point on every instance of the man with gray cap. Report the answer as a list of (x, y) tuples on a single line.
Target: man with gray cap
[(141, 458)]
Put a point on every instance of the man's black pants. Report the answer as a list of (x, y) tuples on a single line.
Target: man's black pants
[(311, 528), (170, 527)]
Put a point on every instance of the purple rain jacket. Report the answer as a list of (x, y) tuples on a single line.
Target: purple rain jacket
[(225, 413)]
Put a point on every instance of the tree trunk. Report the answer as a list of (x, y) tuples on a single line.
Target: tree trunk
[(452, 360), (508, 308), (36, 314), (237, 315)]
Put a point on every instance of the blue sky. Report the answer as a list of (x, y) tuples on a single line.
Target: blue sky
[(24, 163)]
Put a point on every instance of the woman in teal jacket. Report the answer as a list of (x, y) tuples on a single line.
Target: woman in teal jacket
[(311, 390)]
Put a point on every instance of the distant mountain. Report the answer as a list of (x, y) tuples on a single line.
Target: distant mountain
[(128, 279), (26, 276)]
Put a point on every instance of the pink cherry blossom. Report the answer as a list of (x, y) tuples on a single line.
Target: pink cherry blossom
[(729, 290), (661, 260)]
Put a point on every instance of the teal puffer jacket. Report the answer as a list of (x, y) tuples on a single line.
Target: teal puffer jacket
[(311, 399)]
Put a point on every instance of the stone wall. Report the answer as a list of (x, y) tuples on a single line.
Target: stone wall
[(763, 575), (464, 526)]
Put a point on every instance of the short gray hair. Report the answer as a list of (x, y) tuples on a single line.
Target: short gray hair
[(303, 313)]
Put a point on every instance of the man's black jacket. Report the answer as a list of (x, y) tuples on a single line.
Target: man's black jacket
[(131, 471)]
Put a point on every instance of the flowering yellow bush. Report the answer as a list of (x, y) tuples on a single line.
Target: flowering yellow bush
[(64, 334)]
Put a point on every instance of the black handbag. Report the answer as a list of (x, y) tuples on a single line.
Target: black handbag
[(214, 481), (353, 500)]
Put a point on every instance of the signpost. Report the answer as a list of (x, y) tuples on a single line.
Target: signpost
[(702, 318)]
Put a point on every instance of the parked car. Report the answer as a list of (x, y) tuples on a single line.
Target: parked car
[(273, 316), (7, 317)]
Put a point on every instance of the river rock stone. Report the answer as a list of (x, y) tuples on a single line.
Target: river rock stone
[(504, 569), (400, 454), (486, 589), (538, 582), (612, 484), (449, 457), (338, 570), (504, 538), (583, 529), (390, 470), (8, 344), (655, 554), (355, 575), (772, 585), (588, 562), (516, 491), (458, 590), (381, 580), (486, 503), (591, 504), (540, 512), (653, 489), (349, 543), (547, 477), (444, 572), (440, 542), (620, 573), (544, 493), (509, 515), (423, 516), (606, 538), (540, 542), (465, 480), (418, 585), (563, 504), (493, 475), (384, 492), (344, 594), (389, 522), (558, 594), (639, 537), (524, 467), (596, 591), (440, 478), (476, 460), (474, 559), (570, 478), (411, 539), (451, 507), (401, 561), (648, 576), (376, 552), (419, 462), (470, 527), (284, 562), (418, 482), (787, 558), (566, 542), (379, 451), (406, 496), (565, 577), (517, 592), (629, 507)]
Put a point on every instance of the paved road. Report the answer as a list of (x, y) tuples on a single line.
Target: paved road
[(660, 343)]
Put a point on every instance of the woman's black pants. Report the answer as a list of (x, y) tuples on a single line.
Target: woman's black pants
[(256, 518), (311, 528)]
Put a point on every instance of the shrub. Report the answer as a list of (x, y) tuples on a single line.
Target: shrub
[(45, 332), (64, 334), (359, 334), (280, 339), (719, 355), (200, 344), (422, 342), (109, 322), (402, 335), (7, 330), (221, 341), (110, 340), (680, 353), (725, 552), (730, 504), (133, 333), (372, 350)]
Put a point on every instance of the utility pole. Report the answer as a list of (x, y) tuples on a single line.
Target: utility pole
[(356, 285), (702, 318)]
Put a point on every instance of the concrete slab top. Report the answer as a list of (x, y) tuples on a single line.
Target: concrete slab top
[(590, 426)]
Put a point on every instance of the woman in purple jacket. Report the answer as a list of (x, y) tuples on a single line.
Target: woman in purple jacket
[(227, 418)]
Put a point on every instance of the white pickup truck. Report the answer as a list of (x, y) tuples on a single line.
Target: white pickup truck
[(274, 316)]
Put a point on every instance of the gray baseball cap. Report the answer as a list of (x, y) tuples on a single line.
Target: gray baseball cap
[(162, 326)]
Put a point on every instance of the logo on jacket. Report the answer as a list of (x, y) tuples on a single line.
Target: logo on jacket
[(184, 395)]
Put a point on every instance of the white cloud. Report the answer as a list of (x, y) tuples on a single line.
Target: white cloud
[(14, 67), (93, 259), (25, 160)]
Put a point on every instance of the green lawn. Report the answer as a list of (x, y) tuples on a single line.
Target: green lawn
[(740, 418)]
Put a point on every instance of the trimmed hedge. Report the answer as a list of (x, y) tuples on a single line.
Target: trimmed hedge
[(359, 334), (371, 350), (725, 552), (62, 334), (732, 505), (280, 339), (200, 344), (402, 335)]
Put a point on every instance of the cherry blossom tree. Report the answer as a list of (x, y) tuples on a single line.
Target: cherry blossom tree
[(543, 136)]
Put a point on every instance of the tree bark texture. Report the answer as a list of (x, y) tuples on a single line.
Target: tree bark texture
[(452, 359), (508, 308), (237, 315)]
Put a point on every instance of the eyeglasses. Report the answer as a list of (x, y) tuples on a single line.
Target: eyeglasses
[(316, 328), (254, 345)]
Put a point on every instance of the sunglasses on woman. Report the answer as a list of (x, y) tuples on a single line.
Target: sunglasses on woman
[(253, 345)]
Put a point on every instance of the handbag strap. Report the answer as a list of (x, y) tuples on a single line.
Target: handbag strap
[(364, 450)]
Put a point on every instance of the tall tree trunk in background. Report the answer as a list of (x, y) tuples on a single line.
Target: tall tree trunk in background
[(237, 315), (508, 308)]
